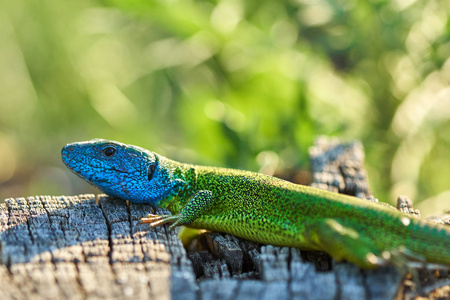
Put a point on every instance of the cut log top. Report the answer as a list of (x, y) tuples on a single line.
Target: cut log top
[(68, 247)]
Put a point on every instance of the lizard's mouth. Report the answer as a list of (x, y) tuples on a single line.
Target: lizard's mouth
[(90, 169), (75, 165), (72, 162), (67, 158)]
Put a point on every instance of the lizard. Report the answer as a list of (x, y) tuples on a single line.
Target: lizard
[(258, 207)]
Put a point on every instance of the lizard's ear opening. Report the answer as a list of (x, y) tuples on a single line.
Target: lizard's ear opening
[(151, 171)]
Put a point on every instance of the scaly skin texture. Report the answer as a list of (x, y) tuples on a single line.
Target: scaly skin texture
[(258, 207)]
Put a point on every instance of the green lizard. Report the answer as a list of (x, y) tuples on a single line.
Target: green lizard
[(257, 207)]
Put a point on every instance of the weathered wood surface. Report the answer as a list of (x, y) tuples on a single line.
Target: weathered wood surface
[(70, 248)]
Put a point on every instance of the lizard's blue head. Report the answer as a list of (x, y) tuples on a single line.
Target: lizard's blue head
[(120, 170)]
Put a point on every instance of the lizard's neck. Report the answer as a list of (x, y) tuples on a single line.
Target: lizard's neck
[(184, 178)]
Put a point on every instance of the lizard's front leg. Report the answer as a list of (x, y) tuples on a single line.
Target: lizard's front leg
[(199, 203)]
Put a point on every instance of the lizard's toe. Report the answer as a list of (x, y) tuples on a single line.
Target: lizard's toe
[(156, 220)]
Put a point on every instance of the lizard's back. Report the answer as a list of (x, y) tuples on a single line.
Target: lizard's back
[(273, 211)]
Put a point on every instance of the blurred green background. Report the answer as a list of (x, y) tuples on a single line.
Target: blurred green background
[(244, 84)]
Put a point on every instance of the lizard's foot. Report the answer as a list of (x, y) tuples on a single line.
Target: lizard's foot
[(376, 261), (157, 220), (405, 258), (399, 258), (201, 201)]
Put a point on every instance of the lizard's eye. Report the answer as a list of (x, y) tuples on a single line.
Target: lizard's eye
[(151, 170), (109, 151)]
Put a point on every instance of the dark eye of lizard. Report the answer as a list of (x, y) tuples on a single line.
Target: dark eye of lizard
[(109, 151), (151, 170)]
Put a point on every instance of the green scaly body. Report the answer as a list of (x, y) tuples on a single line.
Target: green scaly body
[(262, 208)]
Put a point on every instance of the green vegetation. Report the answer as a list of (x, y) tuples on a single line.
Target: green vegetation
[(232, 83)]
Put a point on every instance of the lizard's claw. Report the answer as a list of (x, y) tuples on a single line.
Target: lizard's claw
[(156, 220), (376, 260)]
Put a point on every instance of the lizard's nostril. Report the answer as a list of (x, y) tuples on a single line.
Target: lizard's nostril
[(71, 148)]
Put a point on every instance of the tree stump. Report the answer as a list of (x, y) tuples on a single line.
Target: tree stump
[(68, 247)]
